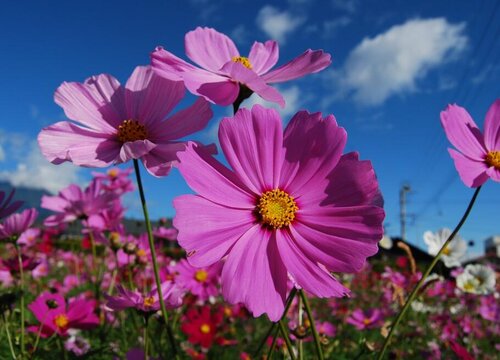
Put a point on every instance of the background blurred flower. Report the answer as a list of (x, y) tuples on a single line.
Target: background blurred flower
[(454, 252), (477, 279), (8, 207)]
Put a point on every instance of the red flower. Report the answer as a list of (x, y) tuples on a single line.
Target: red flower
[(201, 326)]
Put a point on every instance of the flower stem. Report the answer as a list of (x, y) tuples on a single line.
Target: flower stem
[(300, 342), (284, 332), (145, 337), (21, 279), (153, 256), (287, 307), (317, 341), (415, 290), (6, 322)]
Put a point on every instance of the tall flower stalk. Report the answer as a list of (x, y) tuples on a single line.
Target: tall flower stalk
[(21, 285), (171, 337), (415, 291)]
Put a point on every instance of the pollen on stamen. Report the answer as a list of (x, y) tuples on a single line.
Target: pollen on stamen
[(493, 159), (276, 209), (243, 61), (149, 301), (131, 130), (61, 321)]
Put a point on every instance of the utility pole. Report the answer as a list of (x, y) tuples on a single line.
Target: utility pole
[(402, 205)]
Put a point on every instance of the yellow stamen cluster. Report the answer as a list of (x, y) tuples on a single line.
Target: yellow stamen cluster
[(243, 61), (141, 252), (276, 208), (112, 173), (367, 321), (201, 275), (149, 301), (493, 159), (61, 321), (131, 130), (446, 250), (205, 328)]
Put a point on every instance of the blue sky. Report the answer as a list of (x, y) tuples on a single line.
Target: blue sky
[(396, 64)]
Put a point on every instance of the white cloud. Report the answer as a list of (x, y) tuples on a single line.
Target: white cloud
[(486, 74), (330, 27), (392, 62), (2, 153), (278, 24), (349, 6), (34, 171), (239, 34)]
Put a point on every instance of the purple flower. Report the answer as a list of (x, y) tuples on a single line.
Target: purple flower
[(16, 224), (6, 207), (292, 205), (478, 155), (365, 319), (172, 295), (223, 69), (121, 123)]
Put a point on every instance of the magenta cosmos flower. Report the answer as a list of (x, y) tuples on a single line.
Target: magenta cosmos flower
[(292, 205), (120, 123), (8, 207), (223, 69), (365, 319), (202, 282), (16, 224), (55, 316), (478, 155), (172, 294)]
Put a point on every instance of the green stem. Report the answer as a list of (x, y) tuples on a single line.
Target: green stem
[(21, 279), (284, 332), (145, 336), (273, 343), (287, 307), (153, 256), (11, 347), (300, 342), (415, 290), (38, 334), (317, 341)]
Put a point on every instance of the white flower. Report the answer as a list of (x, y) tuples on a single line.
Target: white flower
[(453, 253), (477, 279), (386, 242)]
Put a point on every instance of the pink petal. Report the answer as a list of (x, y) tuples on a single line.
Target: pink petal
[(65, 141), (160, 160), (209, 48), (149, 97), (254, 82), (168, 65), (492, 127), (462, 132), (263, 56), (252, 143), (254, 274), (307, 63), (135, 149), (212, 180), (306, 272), (184, 122), (90, 103), (472, 172), (208, 230), (494, 173), (313, 147)]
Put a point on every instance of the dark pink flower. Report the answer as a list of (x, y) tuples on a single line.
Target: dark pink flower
[(16, 224), (172, 295), (365, 319), (121, 123), (223, 69), (202, 282), (6, 206), (478, 155), (116, 180), (12, 264), (55, 316), (293, 205)]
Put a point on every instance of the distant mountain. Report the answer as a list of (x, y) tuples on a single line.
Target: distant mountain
[(31, 197)]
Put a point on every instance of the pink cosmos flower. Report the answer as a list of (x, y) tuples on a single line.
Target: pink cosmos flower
[(365, 319), (120, 123), (6, 206), (150, 302), (202, 282), (293, 205), (116, 180), (72, 203), (478, 155), (16, 224), (55, 316), (223, 69)]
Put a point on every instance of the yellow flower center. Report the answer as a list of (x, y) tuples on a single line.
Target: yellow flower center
[(205, 328), (367, 321), (243, 61), (469, 286), (446, 250), (493, 159), (131, 130), (201, 275), (149, 301), (276, 208), (112, 173), (140, 252), (61, 321)]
